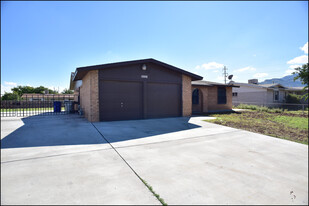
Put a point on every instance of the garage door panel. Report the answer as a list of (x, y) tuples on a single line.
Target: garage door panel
[(120, 100), (163, 100)]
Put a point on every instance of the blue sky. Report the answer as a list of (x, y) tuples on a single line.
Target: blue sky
[(42, 42)]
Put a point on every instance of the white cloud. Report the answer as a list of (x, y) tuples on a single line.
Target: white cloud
[(260, 75), (294, 66), (5, 89), (10, 83), (245, 69), (215, 71), (299, 60), (220, 78), (289, 72), (210, 65), (7, 86), (57, 88), (305, 48)]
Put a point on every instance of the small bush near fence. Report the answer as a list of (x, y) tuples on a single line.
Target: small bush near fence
[(10, 96), (293, 98)]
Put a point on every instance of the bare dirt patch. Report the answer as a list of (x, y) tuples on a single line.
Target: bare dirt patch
[(284, 125)]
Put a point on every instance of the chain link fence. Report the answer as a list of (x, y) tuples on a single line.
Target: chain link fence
[(287, 106)]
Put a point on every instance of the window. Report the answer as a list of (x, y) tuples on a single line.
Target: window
[(221, 95), (276, 95), (36, 99), (234, 94), (195, 96)]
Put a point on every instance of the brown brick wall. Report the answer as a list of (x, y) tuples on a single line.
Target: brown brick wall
[(186, 96), (89, 96), (213, 99)]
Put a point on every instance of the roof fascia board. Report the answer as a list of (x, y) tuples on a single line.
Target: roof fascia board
[(110, 65)]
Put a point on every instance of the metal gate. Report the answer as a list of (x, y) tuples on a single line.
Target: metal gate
[(39, 104)]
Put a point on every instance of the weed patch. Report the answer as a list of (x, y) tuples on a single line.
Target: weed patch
[(154, 193), (285, 125)]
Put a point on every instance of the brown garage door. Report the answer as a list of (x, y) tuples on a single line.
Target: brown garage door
[(120, 100), (163, 100)]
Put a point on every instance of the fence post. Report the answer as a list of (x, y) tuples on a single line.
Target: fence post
[(303, 107)]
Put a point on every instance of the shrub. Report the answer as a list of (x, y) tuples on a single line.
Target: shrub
[(10, 96), (246, 106), (293, 98), (277, 110)]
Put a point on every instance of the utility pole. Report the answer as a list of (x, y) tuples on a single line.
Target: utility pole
[(225, 74)]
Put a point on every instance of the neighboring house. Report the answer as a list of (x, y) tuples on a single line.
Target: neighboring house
[(45, 97), (296, 90), (143, 89), (262, 94)]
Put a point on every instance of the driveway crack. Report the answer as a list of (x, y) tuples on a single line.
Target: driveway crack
[(142, 180)]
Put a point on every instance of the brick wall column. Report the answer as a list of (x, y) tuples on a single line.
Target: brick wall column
[(94, 97), (89, 96), (186, 96)]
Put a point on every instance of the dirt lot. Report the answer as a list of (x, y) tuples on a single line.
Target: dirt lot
[(286, 125)]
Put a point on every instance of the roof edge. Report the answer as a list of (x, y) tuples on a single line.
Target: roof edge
[(149, 60)]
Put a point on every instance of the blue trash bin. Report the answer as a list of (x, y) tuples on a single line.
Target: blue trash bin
[(57, 106)]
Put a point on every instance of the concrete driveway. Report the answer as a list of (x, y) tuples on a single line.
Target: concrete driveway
[(65, 160)]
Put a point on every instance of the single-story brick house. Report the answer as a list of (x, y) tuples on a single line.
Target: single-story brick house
[(211, 97), (143, 89)]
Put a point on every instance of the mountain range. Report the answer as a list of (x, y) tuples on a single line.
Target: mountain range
[(287, 81)]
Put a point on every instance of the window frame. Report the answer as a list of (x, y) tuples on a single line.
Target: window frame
[(276, 91)]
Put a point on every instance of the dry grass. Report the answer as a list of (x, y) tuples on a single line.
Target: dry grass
[(286, 125)]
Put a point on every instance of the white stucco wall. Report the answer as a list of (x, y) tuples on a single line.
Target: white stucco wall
[(257, 95), (270, 96), (250, 94)]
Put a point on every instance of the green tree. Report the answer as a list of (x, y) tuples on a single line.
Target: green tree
[(20, 90), (39, 90), (52, 91), (67, 91), (303, 75), (10, 96)]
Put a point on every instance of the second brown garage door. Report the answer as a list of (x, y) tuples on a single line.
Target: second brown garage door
[(163, 100)]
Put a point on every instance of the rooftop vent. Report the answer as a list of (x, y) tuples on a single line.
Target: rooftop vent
[(253, 81)]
